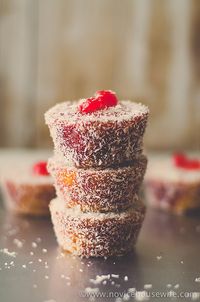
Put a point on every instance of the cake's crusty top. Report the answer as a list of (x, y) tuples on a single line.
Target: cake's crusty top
[(68, 112), (163, 169)]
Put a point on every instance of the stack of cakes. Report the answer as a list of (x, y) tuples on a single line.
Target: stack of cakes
[(98, 167)]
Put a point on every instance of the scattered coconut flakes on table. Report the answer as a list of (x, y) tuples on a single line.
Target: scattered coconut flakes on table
[(131, 289), (34, 244), (126, 297), (176, 286), (147, 286), (6, 252), (114, 276), (195, 296), (141, 295), (171, 294), (90, 290), (100, 278), (18, 243)]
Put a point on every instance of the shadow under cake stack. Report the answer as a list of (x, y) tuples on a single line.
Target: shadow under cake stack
[(98, 168)]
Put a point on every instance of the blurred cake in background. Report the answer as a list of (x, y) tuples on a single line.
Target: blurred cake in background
[(27, 189), (173, 183)]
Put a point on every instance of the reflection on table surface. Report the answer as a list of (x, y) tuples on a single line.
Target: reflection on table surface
[(167, 255)]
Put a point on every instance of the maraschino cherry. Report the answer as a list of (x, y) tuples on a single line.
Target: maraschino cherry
[(40, 168), (102, 99), (182, 161)]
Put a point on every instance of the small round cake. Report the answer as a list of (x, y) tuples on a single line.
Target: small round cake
[(110, 189), (96, 234), (28, 189), (100, 137), (173, 184)]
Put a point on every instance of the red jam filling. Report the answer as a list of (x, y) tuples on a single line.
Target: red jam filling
[(182, 161), (40, 168), (102, 99)]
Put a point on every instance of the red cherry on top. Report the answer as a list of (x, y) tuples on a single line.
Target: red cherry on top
[(101, 100), (182, 161), (179, 159), (40, 168)]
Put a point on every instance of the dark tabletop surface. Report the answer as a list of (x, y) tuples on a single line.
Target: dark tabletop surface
[(166, 261)]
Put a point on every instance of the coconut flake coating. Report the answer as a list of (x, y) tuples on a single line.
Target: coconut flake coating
[(111, 189), (96, 234), (26, 198), (99, 139)]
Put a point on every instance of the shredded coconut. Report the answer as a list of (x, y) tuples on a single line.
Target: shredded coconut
[(6, 251), (67, 112), (99, 279), (18, 243), (176, 286), (34, 244), (147, 286), (91, 290), (141, 296), (114, 276), (195, 296)]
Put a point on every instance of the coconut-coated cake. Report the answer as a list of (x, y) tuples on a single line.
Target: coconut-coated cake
[(28, 190), (173, 183), (96, 234), (101, 138), (110, 189)]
